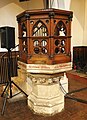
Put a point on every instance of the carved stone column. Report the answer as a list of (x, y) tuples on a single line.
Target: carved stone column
[(46, 96)]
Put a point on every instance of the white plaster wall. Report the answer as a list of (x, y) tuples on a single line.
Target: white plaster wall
[(77, 6), (9, 9), (85, 26), (67, 4), (60, 4), (8, 17)]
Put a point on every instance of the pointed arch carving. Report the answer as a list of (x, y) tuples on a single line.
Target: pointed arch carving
[(39, 29), (60, 29)]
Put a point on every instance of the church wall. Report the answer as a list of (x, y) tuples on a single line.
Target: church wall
[(9, 9), (85, 26), (77, 6)]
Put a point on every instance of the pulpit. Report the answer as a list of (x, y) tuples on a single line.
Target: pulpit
[(44, 55)]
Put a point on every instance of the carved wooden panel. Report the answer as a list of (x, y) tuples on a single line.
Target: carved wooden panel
[(44, 36)]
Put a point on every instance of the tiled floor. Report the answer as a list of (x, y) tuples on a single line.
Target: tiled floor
[(73, 110)]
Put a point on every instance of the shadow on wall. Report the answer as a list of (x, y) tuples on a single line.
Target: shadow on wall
[(78, 8), (31, 4)]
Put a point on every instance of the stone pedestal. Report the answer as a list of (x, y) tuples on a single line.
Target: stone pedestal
[(45, 95)]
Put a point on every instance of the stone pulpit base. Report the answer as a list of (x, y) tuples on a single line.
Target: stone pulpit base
[(46, 96)]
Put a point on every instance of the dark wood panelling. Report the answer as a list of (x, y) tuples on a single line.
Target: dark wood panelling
[(79, 57)]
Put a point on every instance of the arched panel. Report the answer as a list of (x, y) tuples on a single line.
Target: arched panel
[(39, 29), (60, 29), (24, 29)]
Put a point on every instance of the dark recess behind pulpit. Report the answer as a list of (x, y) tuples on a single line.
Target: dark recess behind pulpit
[(80, 58)]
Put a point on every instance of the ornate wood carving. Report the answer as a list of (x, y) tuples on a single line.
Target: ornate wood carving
[(44, 36)]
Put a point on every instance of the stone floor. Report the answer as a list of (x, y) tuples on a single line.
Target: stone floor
[(19, 110)]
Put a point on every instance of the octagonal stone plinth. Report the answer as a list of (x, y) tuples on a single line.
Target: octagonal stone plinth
[(46, 96)]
